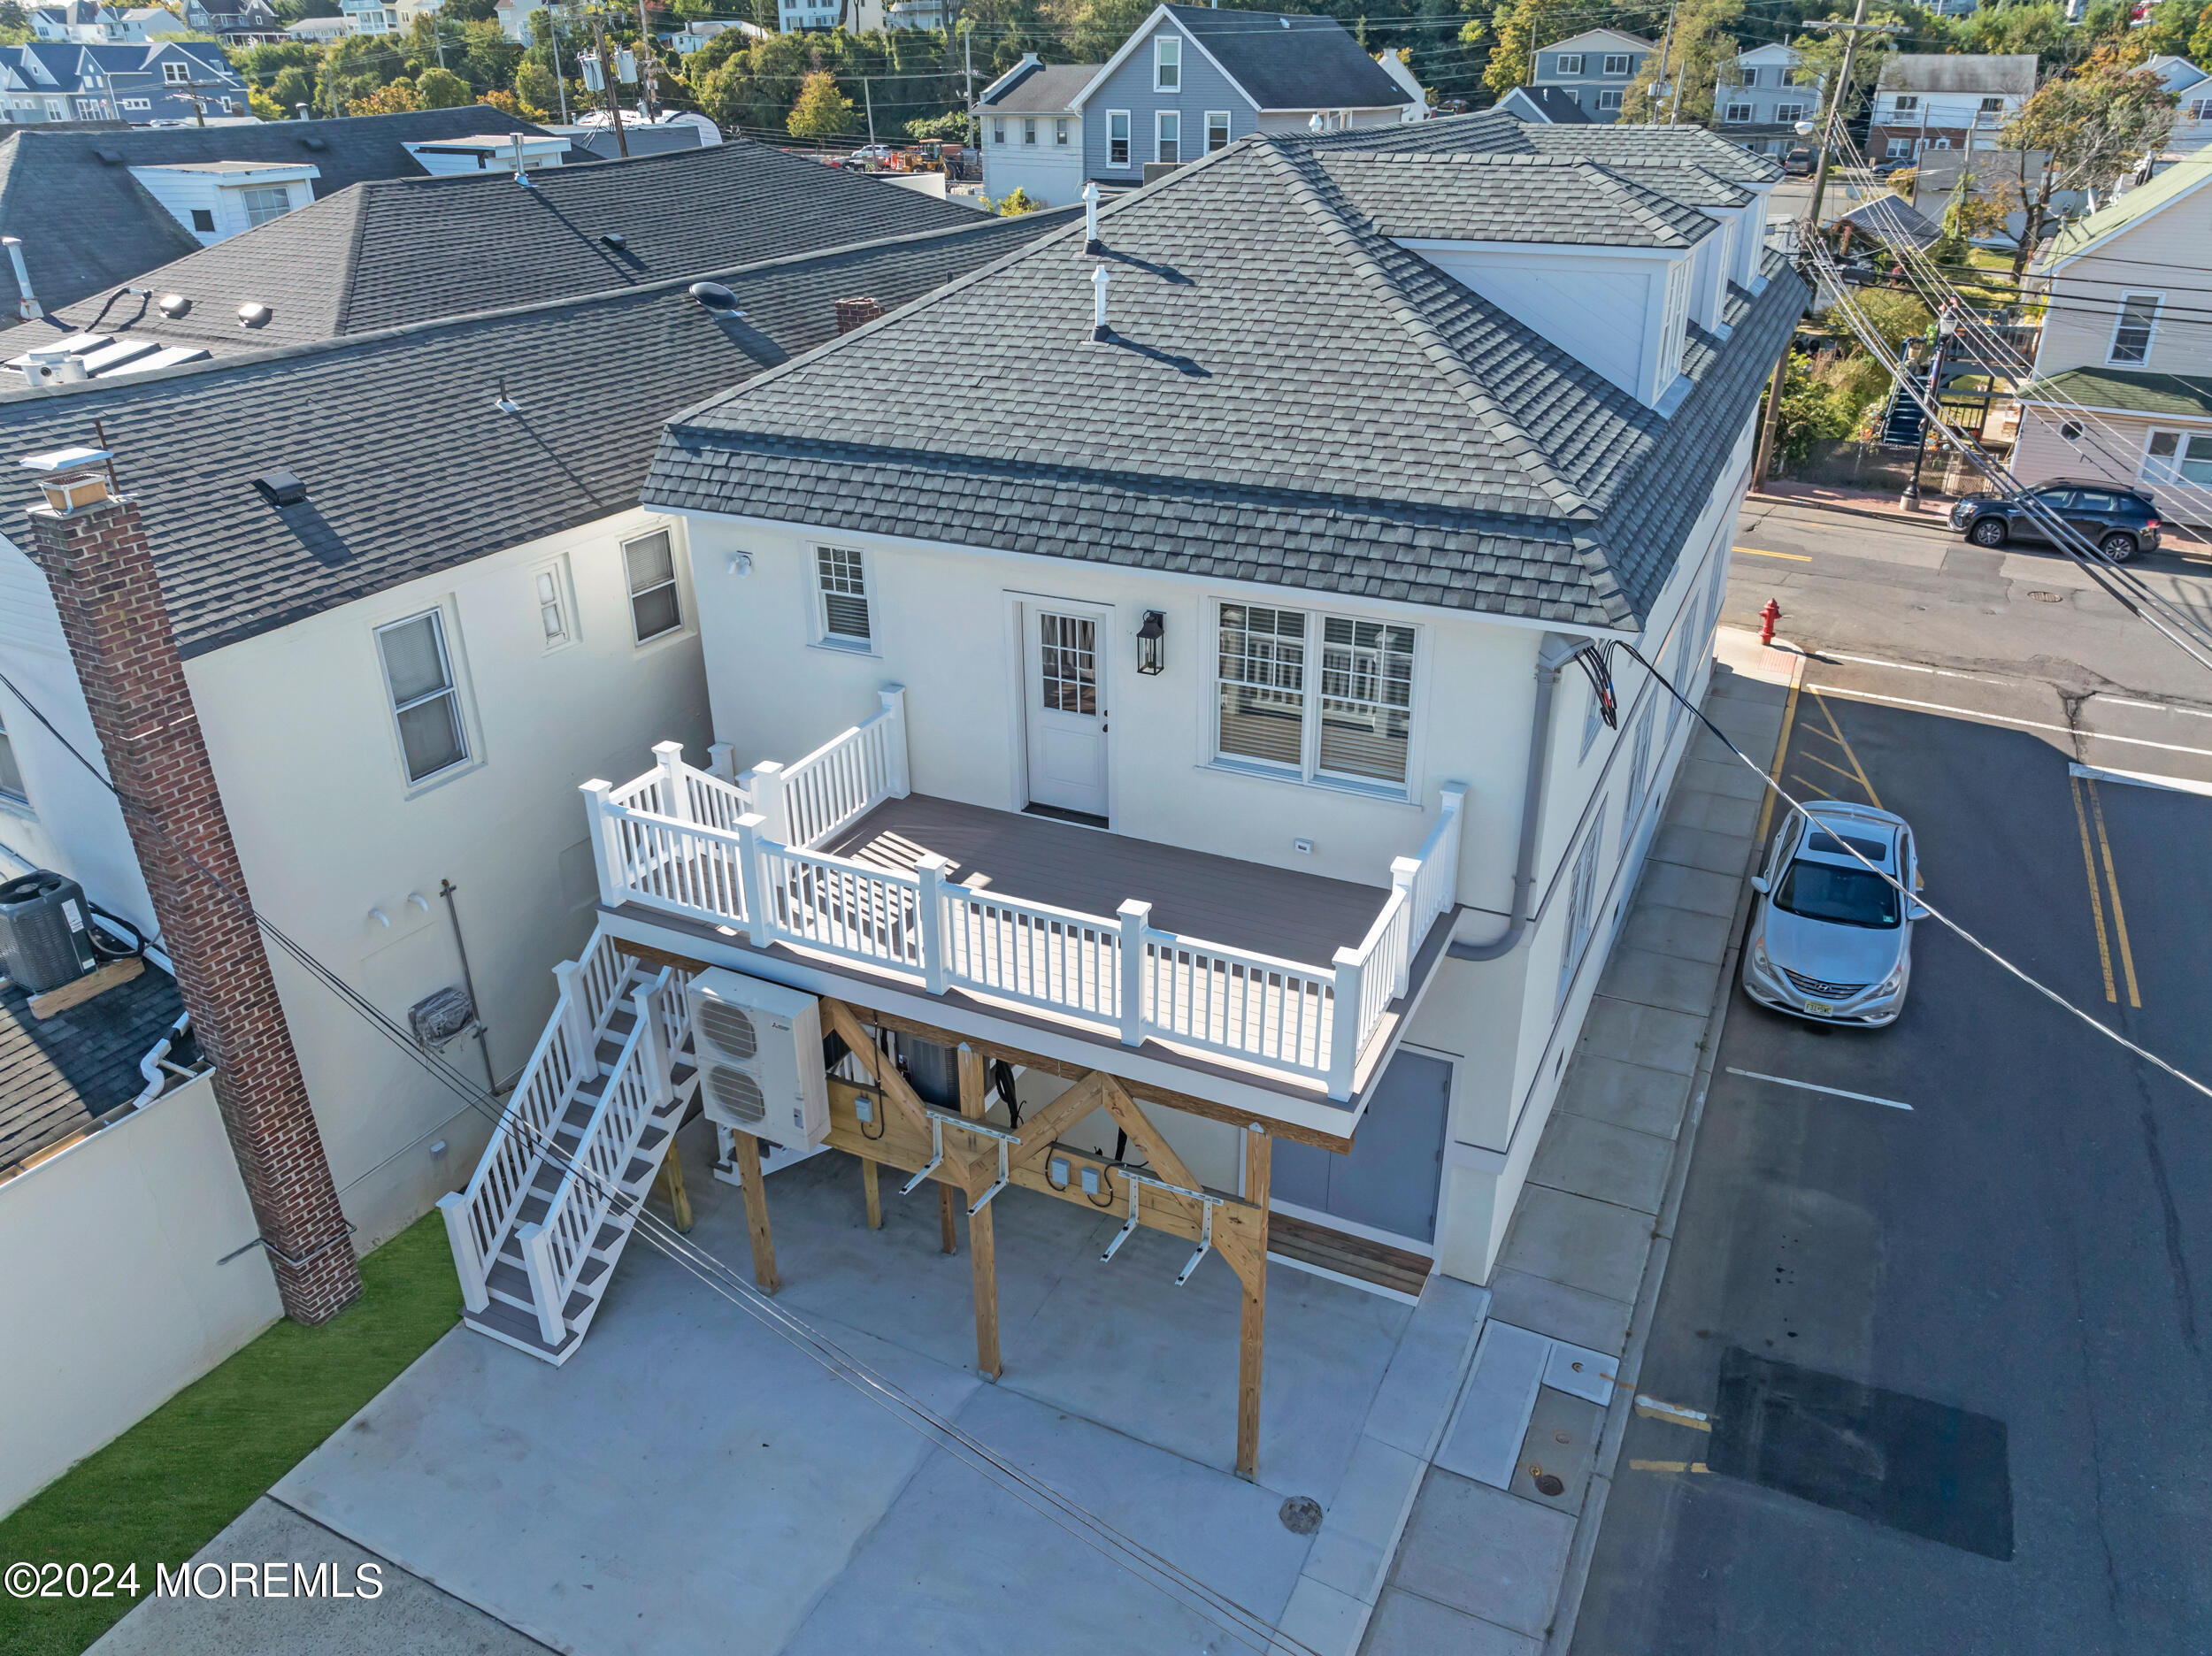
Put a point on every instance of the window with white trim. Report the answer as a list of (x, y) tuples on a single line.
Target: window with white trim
[(998, 129), (264, 202), (1568, 62), (1907, 103), (10, 773), (1029, 131), (648, 567), (1592, 721), (549, 589), (1750, 77), (426, 699), (1609, 102), (176, 73), (1357, 728), (1217, 130), (2199, 108), (1582, 902), (2178, 457), (1616, 63), (1060, 132), (1167, 136), (2133, 332), (1737, 114), (1638, 764), (1118, 138), (841, 580), (1791, 113), (1167, 64)]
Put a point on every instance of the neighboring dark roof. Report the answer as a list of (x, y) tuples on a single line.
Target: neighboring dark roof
[(88, 226), (1556, 105), (59, 1075), (401, 250), (1894, 219), (1510, 198), (408, 466), (1492, 132), (2183, 396), (1042, 89), (1311, 65), (1285, 395)]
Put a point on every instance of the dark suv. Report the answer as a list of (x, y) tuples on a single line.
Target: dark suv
[(1798, 163), (2114, 518)]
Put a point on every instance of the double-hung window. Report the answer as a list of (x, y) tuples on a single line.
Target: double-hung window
[(1118, 138), (1907, 103), (1167, 64), (176, 73), (1609, 100), (1217, 130), (1737, 114), (10, 773), (1569, 63), (1060, 132), (1168, 135), (2132, 333), (425, 702), (2179, 457), (1791, 113), (998, 129), (1616, 63), (550, 591), (1029, 131), (1354, 723), (841, 578), (649, 566), (1639, 777), (1582, 903)]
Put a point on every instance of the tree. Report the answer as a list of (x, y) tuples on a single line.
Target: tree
[(393, 98), (951, 128), (2174, 27), (539, 92), (1698, 48), (2093, 126), (821, 111), (442, 88), (1015, 201), (1522, 27)]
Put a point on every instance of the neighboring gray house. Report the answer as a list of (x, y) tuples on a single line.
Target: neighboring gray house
[(1191, 80), (1759, 100), (1594, 67), (1546, 106)]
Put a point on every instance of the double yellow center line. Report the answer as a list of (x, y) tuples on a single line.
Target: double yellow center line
[(2089, 861)]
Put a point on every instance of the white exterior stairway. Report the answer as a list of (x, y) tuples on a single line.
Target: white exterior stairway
[(536, 1234)]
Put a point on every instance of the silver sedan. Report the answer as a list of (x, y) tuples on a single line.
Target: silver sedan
[(1831, 939)]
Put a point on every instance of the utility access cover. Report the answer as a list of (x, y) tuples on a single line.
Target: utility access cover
[(1924, 1467)]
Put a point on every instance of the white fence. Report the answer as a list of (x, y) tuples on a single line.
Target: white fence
[(760, 873)]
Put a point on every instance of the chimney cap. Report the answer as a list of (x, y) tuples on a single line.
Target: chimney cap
[(65, 459), (281, 488)]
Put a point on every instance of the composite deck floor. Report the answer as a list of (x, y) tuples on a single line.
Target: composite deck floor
[(1220, 900)]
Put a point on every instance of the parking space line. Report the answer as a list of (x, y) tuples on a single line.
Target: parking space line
[(2153, 706), (2119, 914), (2096, 898), (2140, 778), (1795, 557), (1774, 771), (1826, 765), (1898, 666), (1848, 752), (1809, 787), (1814, 1086), (2002, 719)]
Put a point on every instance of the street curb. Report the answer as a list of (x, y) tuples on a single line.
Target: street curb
[(1878, 514), (1568, 1611)]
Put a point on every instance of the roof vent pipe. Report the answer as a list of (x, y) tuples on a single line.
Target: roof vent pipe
[(1091, 243), (1099, 279), (28, 307), (1555, 652), (521, 177)]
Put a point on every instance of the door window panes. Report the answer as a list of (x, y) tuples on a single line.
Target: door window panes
[(1069, 678)]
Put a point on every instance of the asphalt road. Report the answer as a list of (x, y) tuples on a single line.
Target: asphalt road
[(1992, 1431)]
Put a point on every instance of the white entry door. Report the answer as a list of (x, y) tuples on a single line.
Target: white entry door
[(1066, 714)]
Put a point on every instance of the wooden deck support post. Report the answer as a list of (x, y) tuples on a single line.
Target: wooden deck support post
[(672, 1184), (982, 1238), (757, 1211), (1259, 1156), (944, 1218), (869, 1188)]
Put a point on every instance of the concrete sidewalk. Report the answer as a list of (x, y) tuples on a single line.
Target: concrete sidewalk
[(1499, 1539)]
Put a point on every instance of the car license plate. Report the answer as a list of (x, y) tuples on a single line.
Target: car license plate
[(1821, 1007)]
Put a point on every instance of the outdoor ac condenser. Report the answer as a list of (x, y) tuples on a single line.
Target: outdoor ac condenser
[(760, 1058)]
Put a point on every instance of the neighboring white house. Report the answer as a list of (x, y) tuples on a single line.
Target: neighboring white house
[(1946, 101), (1032, 133), (369, 17), (2193, 121), (1759, 100), (692, 36), (2123, 385), (1367, 833), (216, 200)]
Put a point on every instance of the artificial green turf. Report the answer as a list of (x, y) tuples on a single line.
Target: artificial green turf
[(169, 1486)]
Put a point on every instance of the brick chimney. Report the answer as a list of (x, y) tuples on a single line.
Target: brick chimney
[(93, 548), (856, 313)]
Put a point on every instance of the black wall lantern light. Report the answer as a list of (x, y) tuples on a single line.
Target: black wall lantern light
[(1151, 654)]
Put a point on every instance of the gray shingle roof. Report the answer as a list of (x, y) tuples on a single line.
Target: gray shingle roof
[(1510, 198), (1961, 72), (1287, 396), (60, 1074), (401, 250), (1492, 132), (88, 226), (1555, 104), (1313, 64), (410, 468), (1044, 89)]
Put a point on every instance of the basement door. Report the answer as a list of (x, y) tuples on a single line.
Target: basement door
[(1390, 1180), (1067, 705)]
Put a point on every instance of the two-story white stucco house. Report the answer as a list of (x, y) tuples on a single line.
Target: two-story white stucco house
[(1946, 101), (1165, 662), (2122, 386)]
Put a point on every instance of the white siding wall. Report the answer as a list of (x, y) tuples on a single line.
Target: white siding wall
[(1049, 173), (216, 194), (2165, 254)]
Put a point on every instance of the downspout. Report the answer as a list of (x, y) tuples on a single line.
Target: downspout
[(1556, 651)]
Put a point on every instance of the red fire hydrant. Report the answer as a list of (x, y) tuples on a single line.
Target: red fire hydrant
[(1768, 617)]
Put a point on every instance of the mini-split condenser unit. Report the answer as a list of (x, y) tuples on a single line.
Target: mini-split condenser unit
[(759, 1047)]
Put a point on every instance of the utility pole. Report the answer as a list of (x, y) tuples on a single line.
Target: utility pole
[(1666, 47), (868, 98), (1857, 26), (560, 80), (609, 75), (648, 71), (967, 52)]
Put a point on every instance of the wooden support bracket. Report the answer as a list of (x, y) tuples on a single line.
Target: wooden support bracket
[(1259, 1154), (755, 1189)]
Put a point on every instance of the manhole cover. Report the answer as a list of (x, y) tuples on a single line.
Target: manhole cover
[(1549, 1484), (1301, 1515)]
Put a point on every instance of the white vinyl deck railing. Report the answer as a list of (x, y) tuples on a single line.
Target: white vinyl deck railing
[(759, 873)]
